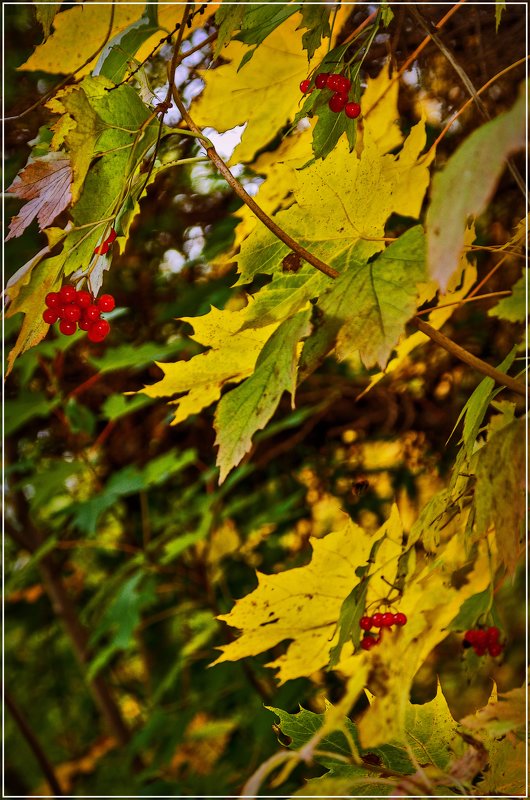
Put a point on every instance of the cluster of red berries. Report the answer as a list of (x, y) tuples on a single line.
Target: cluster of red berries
[(484, 640), (340, 85), (103, 248), (378, 620), (75, 308)]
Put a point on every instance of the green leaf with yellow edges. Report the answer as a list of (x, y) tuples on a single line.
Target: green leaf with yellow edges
[(248, 408)]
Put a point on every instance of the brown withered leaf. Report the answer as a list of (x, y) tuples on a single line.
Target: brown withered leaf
[(45, 184)]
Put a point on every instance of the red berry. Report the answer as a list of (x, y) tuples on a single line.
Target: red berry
[(480, 651), (100, 328), (352, 110), (50, 316), (61, 311), (377, 620), (67, 294), (52, 300), (71, 312), (400, 619), (321, 80), (84, 324), (366, 623), (110, 238), (470, 636), (101, 249), (481, 638), (83, 299), (368, 642), (495, 649), (92, 313), (106, 302), (338, 101), (343, 84), (67, 327), (332, 81), (304, 86), (492, 635), (387, 621)]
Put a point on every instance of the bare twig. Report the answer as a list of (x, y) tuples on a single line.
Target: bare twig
[(466, 80), (469, 299), (166, 103), (34, 744), (413, 56), (471, 100)]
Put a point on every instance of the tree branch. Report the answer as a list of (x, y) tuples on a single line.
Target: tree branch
[(77, 633), (216, 159), (33, 744)]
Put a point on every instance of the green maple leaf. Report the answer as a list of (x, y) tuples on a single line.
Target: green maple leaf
[(248, 408)]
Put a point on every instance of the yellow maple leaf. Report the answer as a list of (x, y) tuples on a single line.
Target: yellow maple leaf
[(381, 119), (300, 605), (231, 358), (81, 30), (264, 93), (78, 33)]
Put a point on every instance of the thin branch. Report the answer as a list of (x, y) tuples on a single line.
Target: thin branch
[(33, 744), (486, 278), (469, 299), (171, 80), (466, 80), (469, 358), (69, 77), (247, 199), (360, 28), (471, 99), (413, 56)]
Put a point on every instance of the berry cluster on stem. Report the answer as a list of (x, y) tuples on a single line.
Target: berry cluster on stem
[(103, 248), (340, 85), (484, 640), (76, 307), (380, 621)]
